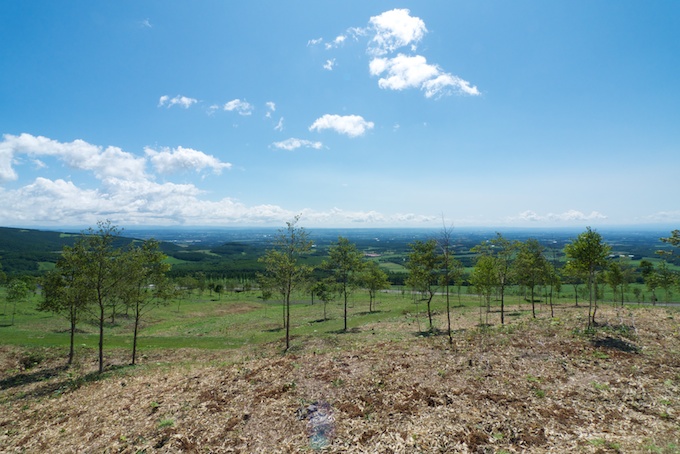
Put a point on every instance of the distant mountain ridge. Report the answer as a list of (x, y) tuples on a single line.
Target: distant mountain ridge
[(26, 251)]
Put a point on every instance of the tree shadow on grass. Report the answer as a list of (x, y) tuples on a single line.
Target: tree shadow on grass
[(273, 330), (616, 344), (55, 387), (431, 333), (26, 378), (369, 312), (342, 331)]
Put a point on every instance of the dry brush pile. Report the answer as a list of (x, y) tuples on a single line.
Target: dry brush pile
[(533, 386)]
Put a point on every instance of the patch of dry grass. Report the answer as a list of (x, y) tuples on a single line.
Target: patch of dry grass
[(532, 386)]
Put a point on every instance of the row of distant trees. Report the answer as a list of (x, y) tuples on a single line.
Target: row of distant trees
[(432, 267)]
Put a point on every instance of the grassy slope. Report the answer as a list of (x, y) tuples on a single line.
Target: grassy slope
[(534, 385)]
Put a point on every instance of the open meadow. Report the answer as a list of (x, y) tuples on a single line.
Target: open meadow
[(212, 377)]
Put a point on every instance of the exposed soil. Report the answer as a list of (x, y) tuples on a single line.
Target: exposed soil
[(534, 386)]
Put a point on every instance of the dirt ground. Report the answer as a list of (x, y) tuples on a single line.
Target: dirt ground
[(533, 386)]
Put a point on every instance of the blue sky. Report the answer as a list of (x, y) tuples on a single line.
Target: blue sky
[(350, 113)]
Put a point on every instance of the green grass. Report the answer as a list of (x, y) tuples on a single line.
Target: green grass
[(235, 320)]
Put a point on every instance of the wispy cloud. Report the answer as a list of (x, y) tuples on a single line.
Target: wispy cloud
[(146, 23), (329, 65), (567, 216), (183, 101), (664, 216), (337, 42), (279, 125), (294, 144), (242, 107), (350, 125)]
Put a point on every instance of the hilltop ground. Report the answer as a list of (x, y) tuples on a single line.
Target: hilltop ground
[(532, 386)]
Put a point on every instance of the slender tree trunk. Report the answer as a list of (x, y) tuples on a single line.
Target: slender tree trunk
[(533, 304), (287, 322), (448, 315), (429, 311), (344, 291), (101, 337), (502, 305), (591, 316), (134, 337), (71, 349)]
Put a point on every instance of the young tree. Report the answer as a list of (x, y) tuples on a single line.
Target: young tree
[(531, 268), (64, 290), (665, 278), (284, 273), (145, 285), (102, 273), (614, 276), (2, 275), (423, 267), (484, 279), (452, 271), (374, 279), (345, 263), (502, 251), (573, 276), (17, 291), (88, 277), (324, 289), (619, 276), (589, 254)]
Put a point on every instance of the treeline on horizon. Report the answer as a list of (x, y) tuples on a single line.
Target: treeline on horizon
[(30, 252)]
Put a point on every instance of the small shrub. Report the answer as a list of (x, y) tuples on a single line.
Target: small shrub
[(600, 355), (31, 359), (166, 423), (600, 386)]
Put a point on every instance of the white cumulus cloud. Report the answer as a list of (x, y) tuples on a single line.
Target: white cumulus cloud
[(398, 31), (242, 107), (293, 144), (183, 101), (350, 125), (180, 159), (103, 162), (403, 71), (395, 29)]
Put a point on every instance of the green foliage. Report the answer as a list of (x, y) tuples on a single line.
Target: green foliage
[(588, 254), (532, 268), (423, 267), (344, 264), (284, 272), (373, 279)]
